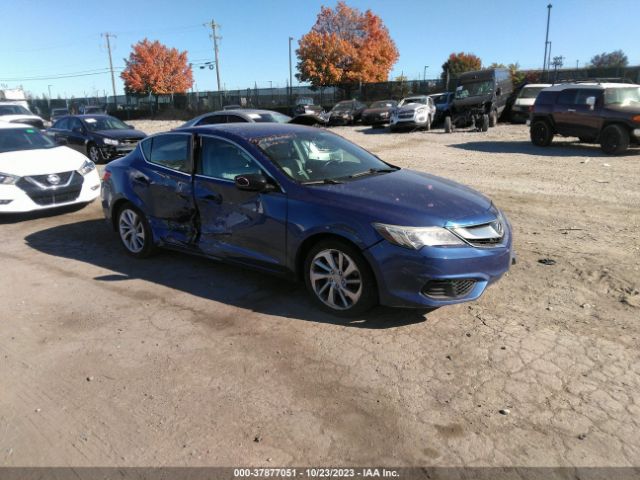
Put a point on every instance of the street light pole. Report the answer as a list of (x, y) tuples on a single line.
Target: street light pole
[(49, 87), (546, 40), (424, 73)]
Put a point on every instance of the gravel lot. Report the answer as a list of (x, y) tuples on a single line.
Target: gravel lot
[(178, 361)]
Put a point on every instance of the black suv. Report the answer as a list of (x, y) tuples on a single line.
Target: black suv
[(479, 100), (604, 113)]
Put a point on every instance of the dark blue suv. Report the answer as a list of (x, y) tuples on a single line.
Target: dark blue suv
[(306, 203)]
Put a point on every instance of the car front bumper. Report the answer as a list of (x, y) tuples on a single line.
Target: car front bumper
[(116, 151), (15, 200), (407, 278), (415, 121), (375, 119)]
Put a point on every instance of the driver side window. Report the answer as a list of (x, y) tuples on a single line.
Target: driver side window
[(223, 160)]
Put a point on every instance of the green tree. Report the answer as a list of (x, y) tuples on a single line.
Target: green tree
[(616, 58), (461, 62)]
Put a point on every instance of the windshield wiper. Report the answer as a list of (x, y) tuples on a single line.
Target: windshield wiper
[(373, 171), (324, 181)]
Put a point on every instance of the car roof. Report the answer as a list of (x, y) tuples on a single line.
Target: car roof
[(250, 131), (537, 85), (590, 85)]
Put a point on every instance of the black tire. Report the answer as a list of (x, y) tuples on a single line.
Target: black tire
[(541, 133), (614, 140), (366, 292), (94, 154), (427, 126), (448, 125), (493, 118), (393, 129), (131, 221), (484, 123)]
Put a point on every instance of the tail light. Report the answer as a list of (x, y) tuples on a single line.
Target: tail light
[(106, 175), (636, 119)]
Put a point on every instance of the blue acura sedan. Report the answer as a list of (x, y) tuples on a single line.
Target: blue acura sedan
[(307, 204)]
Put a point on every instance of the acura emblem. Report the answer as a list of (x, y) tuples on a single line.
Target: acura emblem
[(53, 179)]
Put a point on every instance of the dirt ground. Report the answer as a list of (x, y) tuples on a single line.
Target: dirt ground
[(175, 360)]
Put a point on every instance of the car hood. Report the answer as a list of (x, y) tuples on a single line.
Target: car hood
[(374, 111), (120, 134), (41, 161), (409, 198), (18, 117), (524, 102), (410, 107), (471, 101)]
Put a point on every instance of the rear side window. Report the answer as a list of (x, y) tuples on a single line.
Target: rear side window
[(213, 119), (170, 150), (583, 94), (545, 98), (567, 97)]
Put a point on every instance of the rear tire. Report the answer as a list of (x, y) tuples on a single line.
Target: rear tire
[(540, 133), (339, 279), (448, 125), (493, 118), (614, 140), (134, 232)]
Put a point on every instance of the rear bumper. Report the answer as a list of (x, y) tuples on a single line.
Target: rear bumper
[(403, 274)]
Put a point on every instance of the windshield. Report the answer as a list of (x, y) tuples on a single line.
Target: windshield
[(474, 89), (622, 96), (319, 157), (341, 107), (383, 104), (406, 101), (13, 110), (105, 123), (272, 117), (14, 139), (530, 92)]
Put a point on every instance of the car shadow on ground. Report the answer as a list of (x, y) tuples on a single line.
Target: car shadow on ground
[(373, 130), (9, 218), (556, 149), (93, 242)]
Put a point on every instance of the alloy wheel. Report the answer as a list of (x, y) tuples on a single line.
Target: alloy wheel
[(131, 230), (94, 154), (335, 279)]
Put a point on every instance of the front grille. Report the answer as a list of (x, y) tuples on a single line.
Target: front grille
[(448, 289), (34, 122), (40, 189), (485, 235), (405, 115), (129, 141)]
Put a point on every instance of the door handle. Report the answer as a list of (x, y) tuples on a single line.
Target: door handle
[(571, 110), (141, 179), (213, 197)]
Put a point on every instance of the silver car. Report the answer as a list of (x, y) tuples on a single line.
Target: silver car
[(413, 112), (244, 115)]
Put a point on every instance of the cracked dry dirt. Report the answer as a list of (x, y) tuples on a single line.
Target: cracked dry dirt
[(180, 361)]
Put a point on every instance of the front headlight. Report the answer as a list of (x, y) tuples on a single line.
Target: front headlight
[(8, 179), (384, 114), (110, 141), (86, 167), (417, 237)]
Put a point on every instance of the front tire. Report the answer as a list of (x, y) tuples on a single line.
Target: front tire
[(339, 279), (134, 232), (484, 123), (448, 124), (540, 133), (94, 154), (614, 140)]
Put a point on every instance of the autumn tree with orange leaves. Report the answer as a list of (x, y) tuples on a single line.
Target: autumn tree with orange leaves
[(153, 68), (345, 46)]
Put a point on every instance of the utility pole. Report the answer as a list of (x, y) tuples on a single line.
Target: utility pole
[(214, 36), (546, 40), (108, 36), (424, 73), (49, 87), (290, 73)]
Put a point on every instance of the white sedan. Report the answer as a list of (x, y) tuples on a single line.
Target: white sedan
[(36, 173)]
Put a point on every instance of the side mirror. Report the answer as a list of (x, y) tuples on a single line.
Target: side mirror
[(253, 182), (591, 101), (130, 126)]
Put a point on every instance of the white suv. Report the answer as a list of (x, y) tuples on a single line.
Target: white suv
[(413, 112)]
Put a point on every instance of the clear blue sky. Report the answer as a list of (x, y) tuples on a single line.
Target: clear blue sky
[(43, 38)]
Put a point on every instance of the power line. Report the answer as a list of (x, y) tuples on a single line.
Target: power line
[(58, 76)]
